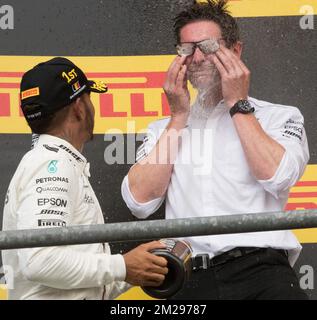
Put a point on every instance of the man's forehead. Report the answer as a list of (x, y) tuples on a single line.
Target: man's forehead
[(200, 30)]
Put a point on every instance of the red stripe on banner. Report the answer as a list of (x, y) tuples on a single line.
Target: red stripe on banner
[(301, 205), (152, 79), (4, 105), (11, 74), (10, 85), (137, 106), (306, 184), (107, 107), (303, 195)]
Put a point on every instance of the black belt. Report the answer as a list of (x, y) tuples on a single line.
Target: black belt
[(203, 262)]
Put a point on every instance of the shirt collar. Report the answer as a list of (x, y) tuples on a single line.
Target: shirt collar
[(79, 160)]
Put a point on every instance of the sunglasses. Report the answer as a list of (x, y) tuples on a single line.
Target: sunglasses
[(206, 47)]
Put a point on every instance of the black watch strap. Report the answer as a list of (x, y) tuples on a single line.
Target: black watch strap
[(242, 106), (234, 110)]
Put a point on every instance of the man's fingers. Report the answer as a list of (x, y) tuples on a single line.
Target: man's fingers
[(174, 69), (226, 61), (222, 70), (159, 261), (153, 245), (182, 59), (235, 61), (177, 69), (244, 67), (182, 77), (159, 270), (175, 88)]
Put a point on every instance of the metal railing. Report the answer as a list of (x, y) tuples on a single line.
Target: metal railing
[(157, 229)]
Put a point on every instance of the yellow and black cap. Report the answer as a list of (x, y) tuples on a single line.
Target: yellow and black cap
[(52, 85)]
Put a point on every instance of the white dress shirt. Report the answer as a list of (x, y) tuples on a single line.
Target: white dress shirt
[(211, 176)]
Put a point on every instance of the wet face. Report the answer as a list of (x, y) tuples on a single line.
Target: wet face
[(202, 72)]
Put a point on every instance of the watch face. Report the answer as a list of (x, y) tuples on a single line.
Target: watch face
[(242, 106), (245, 106)]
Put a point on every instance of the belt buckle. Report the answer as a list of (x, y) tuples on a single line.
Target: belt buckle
[(201, 262)]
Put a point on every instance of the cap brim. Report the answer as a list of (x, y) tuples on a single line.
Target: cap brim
[(98, 87)]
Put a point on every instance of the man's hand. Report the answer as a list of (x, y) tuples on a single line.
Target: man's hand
[(145, 268), (176, 88), (235, 76)]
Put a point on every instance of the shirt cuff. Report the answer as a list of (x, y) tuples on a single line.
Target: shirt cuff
[(117, 264), (283, 178), (140, 210)]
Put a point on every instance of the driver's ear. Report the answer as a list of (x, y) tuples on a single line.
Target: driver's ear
[(79, 109)]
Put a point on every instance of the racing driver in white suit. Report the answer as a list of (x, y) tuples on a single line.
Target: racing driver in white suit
[(51, 188)]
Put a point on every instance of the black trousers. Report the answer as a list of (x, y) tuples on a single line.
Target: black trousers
[(265, 275)]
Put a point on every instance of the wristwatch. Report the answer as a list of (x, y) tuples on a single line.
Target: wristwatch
[(242, 106)]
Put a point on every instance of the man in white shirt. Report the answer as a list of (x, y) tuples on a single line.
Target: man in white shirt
[(227, 154), (51, 188)]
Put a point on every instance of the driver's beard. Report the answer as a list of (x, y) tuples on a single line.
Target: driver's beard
[(205, 77), (91, 130)]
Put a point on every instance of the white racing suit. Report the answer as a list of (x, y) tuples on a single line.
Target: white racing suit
[(51, 189)]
